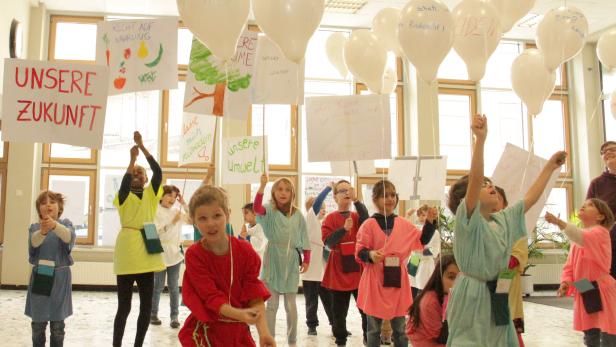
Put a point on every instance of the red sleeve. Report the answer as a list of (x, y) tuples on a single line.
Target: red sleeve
[(513, 262), (252, 287), (203, 299), (257, 205), (306, 256), (430, 314)]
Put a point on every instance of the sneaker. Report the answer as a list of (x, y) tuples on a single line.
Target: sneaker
[(174, 323), (386, 340), (154, 320), (312, 331)]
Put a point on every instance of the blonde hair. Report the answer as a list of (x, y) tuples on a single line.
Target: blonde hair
[(423, 209), (207, 195), (290, 207)]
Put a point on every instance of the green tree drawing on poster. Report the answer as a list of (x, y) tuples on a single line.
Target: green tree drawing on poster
[(211, 71)]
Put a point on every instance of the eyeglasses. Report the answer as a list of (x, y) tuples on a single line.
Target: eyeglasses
[(609, 149), (486, 184), (342, 191)]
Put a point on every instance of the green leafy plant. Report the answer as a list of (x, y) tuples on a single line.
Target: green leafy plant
[(446, 227)]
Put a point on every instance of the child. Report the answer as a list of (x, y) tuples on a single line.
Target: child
[(136, 205), (221, 286), (49, 293), (208, 181), (287, 237), (254, 232), (384, 244), (477, 315), (426, 325), (517, 263), (311, 279), (589, 259), (169, 226), (343, 272), (427, 256)]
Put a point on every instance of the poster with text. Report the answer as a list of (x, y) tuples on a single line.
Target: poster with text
[(221, 88), (197, 141), (515, 172), (141, 54), (278, 80), (243, 159), (343, 128), (52, 102)]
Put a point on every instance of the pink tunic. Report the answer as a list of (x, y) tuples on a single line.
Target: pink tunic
[(374, 299), (430, 322), (592, 261)]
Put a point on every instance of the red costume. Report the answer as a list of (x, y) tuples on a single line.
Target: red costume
[(335, 278)]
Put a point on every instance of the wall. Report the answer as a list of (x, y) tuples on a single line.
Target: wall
[(12, 9)]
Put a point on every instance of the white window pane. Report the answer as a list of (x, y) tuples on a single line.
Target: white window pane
[(187, 189), (75, 41), (317, 64), (60, 150), (609, 86), (313, 185), (124, 116), (1, 146), (174, 125), (184, 45), (507, 125), (559, 76), (453, 67), (76, 190), (277, 129), (549, 131), (454, 130), (499, 65), (557, 204)]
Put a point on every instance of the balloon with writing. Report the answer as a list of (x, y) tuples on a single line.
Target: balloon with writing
[(477, 33), (531, 80), (561, 35)]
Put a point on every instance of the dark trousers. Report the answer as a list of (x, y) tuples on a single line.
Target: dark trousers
[(56, 338), (145, 284), (340, 308), (312, 292), (597, 338)]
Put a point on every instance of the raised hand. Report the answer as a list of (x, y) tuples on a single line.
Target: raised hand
[(480, 127), (138, 139), (352, 194), (432, 215), (264, 180), (558, 159), (348, 224), (134, 152)]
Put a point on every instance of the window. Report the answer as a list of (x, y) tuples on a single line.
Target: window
[(453, 69), (609, 117), (554, 117), (281, 130), (73, 38), (456, 106), (559, 203)]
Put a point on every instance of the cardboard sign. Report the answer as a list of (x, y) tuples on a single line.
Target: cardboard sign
[(343, 128), (515, 172), (221, 88), (141, 54), (54, 102), (197, 141), (243, 159), (277, 79)]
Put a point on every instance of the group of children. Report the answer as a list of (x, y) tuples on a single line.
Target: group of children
[(230, 284)]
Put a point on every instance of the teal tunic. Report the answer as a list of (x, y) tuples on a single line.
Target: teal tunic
[(482, 249), (287, 237)]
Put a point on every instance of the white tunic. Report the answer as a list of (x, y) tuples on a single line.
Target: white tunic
[(170, 234), (315, 269), (257, 238), (427, 263)]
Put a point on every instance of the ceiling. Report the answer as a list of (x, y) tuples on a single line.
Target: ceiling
[(600, 13)]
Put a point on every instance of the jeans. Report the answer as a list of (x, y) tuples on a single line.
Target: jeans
[(57, 334), (290, 307), (145, 283), (172, 273), (397, 325), (340, 308), (312, 292), (596, 338)]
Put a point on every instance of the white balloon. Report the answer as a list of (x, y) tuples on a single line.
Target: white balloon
[(477, 33), (385, 27), (366, 58), (334, 47), (289, 23), (613, 104), (561, 34), (511, 11), (606, 49), (218, 24), (531, 80), (426, 35), (390, 81)]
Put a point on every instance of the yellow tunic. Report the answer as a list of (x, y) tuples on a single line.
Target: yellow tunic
[(520, 252), (130, 255)]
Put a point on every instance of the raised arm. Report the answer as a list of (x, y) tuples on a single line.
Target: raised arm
[(257, 205), (128, 176), (207, 180), (535, 191), (361, 209), (475, 177), (318, 202), (157, 172)]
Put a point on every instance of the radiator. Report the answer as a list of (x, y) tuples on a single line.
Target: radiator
[(546, 273), (98, 273)]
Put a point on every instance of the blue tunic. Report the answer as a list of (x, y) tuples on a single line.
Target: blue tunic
[(482, 249), (59, 304), (287, 237)]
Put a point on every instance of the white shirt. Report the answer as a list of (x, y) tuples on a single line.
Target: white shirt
[(170, 234), (315, 269), (257, 238), (427, 263)]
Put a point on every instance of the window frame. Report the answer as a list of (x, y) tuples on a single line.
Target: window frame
[(294, 138), (53, 23), (92, 174)]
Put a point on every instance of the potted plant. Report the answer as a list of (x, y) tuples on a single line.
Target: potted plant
[(446, 227)]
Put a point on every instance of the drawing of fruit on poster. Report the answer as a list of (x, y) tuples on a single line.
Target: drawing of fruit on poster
[(139, 53), (210, 81)]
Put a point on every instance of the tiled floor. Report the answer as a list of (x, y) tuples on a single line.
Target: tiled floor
[(92, 324)]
